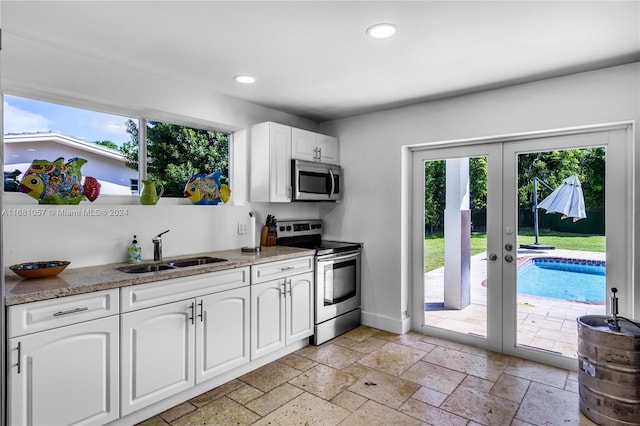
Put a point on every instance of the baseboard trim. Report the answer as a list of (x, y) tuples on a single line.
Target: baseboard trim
[(392, 325)]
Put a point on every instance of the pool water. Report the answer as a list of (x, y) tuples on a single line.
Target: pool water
[(568, 279)]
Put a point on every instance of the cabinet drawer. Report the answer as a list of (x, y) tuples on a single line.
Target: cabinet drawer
[(47, 314), (280, 269), (160, 292)]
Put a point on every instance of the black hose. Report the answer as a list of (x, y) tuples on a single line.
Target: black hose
[(632, 322)]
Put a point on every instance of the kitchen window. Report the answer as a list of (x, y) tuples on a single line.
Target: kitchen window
[(37, 130), (175, 152)]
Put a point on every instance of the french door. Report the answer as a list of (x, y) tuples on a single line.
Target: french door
[(471, 239)]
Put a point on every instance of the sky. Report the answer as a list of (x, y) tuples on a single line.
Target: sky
[(23, 115)]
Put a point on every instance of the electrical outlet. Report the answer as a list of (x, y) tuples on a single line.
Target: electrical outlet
[(242, 228)]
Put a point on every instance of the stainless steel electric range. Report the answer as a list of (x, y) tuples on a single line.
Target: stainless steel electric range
[(337, 269)]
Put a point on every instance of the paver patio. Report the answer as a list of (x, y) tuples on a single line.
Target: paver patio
[(543, 323)]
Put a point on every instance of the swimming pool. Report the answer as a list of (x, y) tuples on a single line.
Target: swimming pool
[(560, 278)]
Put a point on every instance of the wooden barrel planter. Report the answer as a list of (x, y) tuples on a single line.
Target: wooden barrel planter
[(609, 371)]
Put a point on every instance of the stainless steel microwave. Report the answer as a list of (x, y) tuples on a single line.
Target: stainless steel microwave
[(313, 181)]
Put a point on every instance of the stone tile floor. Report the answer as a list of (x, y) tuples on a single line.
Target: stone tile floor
[(372, 377)]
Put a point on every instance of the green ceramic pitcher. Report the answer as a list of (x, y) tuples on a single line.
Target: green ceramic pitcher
[(151, 192)]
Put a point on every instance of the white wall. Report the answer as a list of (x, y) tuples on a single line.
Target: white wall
[(371, 153), (44, 72)]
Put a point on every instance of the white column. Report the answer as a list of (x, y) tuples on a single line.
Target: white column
[(457, 236)]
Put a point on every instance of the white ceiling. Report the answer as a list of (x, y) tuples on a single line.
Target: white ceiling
[(313, 59)]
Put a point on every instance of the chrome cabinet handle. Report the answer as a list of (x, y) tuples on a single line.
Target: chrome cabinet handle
[(201, 314), (319, 153), (287, 268), (288, 291), (70, 311)]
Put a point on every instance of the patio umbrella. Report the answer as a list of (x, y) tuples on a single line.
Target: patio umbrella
[(566, 199)]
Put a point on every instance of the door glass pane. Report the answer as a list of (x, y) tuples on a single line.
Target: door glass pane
[(561, 246), (455, 245)]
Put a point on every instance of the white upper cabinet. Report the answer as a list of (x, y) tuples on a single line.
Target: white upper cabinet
[(311, 146), (272, 147), (270, 173)]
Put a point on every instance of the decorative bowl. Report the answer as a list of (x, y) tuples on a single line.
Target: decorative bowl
[(39, 269)]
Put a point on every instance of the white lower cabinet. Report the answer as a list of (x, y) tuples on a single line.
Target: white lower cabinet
[(157, 354), (65, 376), (171, 347), (222, 339), (97, 357), (299, 307), (281, 313), (281, 304)]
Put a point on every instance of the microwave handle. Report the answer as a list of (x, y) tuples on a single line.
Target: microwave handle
[(333, 183)]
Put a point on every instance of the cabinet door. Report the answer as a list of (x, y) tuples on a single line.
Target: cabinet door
[(280, 162), (329, 149), (65, 376), (222, 332), (304, 145), (267, 317), (157, 353), (299, 307)]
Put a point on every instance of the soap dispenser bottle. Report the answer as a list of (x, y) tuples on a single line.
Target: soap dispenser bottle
[(134, 252)]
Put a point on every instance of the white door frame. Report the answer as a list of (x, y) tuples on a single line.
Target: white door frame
[(620, 217)]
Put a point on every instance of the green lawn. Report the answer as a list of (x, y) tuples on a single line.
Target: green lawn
[(434, 244)]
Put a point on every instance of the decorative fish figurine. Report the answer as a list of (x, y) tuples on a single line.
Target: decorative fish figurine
[(206, 189), (53, 182)]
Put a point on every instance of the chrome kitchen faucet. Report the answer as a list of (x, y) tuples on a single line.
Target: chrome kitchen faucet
[(157, 246)]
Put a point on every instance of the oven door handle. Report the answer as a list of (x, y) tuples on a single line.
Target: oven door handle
[(334, 258)]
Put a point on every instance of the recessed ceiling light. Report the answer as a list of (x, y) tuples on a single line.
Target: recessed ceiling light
[(381, 30), (244, 79)]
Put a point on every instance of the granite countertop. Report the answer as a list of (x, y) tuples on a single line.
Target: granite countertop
[(95, 278)]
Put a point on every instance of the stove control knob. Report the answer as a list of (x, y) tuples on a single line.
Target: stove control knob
[(282, 229), (289, 228)]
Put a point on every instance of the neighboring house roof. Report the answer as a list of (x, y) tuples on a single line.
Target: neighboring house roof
[(56, 137)]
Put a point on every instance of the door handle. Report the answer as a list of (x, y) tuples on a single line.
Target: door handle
[(493, 257), (508, 258)]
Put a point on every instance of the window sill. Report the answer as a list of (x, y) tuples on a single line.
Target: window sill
[(20, 199)]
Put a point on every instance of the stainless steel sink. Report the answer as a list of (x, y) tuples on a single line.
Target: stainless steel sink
[(175, 264), (194, 261), (140, 269)]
